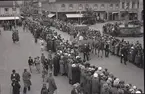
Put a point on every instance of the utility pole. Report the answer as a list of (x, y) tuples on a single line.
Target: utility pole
[(14, 6)]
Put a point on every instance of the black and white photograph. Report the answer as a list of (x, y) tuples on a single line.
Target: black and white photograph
[(71, 47)]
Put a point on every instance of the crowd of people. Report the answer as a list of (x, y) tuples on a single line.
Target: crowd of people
[(86, 78), (132, 52)]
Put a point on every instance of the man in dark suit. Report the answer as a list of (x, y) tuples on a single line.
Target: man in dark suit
[(124, 53), (30, 63), (16, 87), (107, 49), (86, 52), (15, 76)]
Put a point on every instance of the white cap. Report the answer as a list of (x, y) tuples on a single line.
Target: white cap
[(134, 87), (137, 92), (60, 52), (73, 65), (117, 79), (100, 68), (132, 47), (77, 57), (110, 79), (95, 75)]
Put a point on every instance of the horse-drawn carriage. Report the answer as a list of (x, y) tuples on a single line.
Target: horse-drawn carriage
[(15, 36)]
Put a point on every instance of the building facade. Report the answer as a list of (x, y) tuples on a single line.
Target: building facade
[(7, 9), (104, 9)]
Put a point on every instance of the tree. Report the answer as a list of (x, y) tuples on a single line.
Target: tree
[(90, 15)]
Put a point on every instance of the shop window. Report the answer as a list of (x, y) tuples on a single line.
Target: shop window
[(111, 5), (102, 6), (71, 6), (123, 5), (95, 6)]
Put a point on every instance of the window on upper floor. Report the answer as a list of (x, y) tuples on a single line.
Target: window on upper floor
[(117, 5), (80, 6), (138, 4), (127, 5), (133, 5), (87, 6), (70, 6), (102, 6), (111, 5), (63, 6), (6, 9), (123, 5), (95, 6)]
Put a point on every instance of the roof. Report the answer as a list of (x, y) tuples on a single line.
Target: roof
[(87, 0), (7, 4)]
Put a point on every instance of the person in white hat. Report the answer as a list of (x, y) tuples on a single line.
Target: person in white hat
[(99, 71)]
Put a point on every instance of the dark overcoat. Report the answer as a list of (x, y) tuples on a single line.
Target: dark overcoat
[(95, 86)]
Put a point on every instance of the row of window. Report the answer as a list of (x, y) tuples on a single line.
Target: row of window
[(87, 6), (127, 5), (7, 9), (102, 5)]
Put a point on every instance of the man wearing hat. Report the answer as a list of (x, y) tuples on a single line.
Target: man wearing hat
[(26, 79), (75, 74), (15, 76), (44, 89), (70, 61), (56, 64), (107, 49), (52, 85), (86, 51)]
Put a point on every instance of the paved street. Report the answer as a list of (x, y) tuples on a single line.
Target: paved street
[(15, 56), (130, 73)]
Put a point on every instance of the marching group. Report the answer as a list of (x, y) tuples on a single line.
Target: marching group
[(86, 78), (132, 52)]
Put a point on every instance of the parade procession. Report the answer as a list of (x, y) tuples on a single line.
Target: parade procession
[(52, 51), (67, 59)]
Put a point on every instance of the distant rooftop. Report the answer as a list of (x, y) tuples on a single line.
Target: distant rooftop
[(87, 0), (7, 4), (65, 1)]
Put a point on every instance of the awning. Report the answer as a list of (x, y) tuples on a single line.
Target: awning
[(50, 15), (74, 15), (9, 18), (114, 12)]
